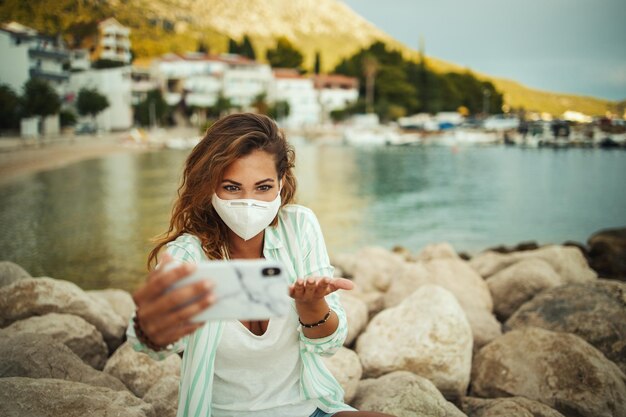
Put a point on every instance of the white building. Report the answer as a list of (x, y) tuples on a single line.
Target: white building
[(115, 84), (299, 91), (199, 78), (113, 42), (336, 92), (27, 54)]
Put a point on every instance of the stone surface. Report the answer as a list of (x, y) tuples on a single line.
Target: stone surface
[(506, 407), (442, 250), (25, 397), (356, 313), (38, 296), (11, 272), (595, 311), (607, 253), (459, 278), (560, 370), (138, 371), (520, 282), (371, 268), (40, 356), (121, 301), (164, 396), (567, 261), (374, 301), (347, 370), (73, 331), (427, 334), (403, 394)]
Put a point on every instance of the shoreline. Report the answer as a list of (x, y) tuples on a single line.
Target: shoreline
[(18, 160)]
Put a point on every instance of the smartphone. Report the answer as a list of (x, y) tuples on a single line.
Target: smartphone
[(245, 289)]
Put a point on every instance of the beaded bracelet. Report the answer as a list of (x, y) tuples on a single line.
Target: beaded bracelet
[(322, 321), (143, 338)]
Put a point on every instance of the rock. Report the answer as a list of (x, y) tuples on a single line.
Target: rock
[(404, 253), (40, 356), (519, 247), (374, 301), (518, 283), (46, 397), (403, 394), (344, 262), (457, 277), (607, 253), (138, 371), (164, 396), (567, 261), (356, 313), (374, 269), (347, 370), (427, 334), (120, 301), (437, 251), (11, 272), (73, 331), (38, 296), (560, 370), (595, 312), (509, 407)]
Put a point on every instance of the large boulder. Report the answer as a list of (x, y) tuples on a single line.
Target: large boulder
[(38, 296), (40, 356), (120, 301), (11, 272), (560, 370), (164, 396), (518, 283), (347, 370), (457, 277), (567, 261), (403, 394), (356, 313), (371, 268), (427, 334), (607, 253), (20, 397), (506, 407), (595, 311), (73, 331), (138, 371), (437, 251), (374, 301)]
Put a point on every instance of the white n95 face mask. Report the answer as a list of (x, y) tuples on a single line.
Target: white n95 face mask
[(246, 217)]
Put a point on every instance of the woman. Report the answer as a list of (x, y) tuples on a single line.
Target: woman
[(245, 368)]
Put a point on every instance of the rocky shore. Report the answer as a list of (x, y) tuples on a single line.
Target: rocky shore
[(524, 331)]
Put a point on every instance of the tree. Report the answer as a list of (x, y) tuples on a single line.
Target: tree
[(9, 108), (233, 46), (90, 102), (246, 48), (279, 110), (39, 99), (318, 63), (153, 109), (284, 55)]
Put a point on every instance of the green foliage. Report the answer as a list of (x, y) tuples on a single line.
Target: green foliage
[(90, 102), (67, 118), (9, 108), (221, 106), (284, 55), (154, 99), (107, 63), (246, 48), (279, 110), (39, 99), (407, 87), (318, 63)]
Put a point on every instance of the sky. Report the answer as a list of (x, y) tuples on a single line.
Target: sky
[(570, 46)]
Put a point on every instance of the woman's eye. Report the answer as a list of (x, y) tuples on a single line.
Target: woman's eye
[(264, 187), (230, 188)]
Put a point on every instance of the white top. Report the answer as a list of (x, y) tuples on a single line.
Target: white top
[(260, 375)]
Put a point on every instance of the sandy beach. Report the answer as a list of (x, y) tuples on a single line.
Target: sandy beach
[(19, 157)]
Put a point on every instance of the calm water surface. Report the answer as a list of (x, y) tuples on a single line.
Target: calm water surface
[(90, 222)]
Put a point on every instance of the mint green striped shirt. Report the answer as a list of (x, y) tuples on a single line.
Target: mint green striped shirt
[(297, 242)]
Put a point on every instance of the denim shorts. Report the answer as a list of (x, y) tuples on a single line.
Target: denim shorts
[(320, 413)]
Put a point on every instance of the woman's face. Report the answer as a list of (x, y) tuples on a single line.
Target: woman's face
[(252, 176)]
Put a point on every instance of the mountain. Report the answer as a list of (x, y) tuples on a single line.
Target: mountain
[(328, 26)]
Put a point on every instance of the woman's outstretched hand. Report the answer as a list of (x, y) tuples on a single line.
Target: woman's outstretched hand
[(160, 314), (312, 289)]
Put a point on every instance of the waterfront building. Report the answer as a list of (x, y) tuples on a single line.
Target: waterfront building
[(335, 91), (112, 42), (299, 91)]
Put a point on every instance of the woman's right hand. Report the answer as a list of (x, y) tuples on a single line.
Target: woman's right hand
[(158, 316)]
